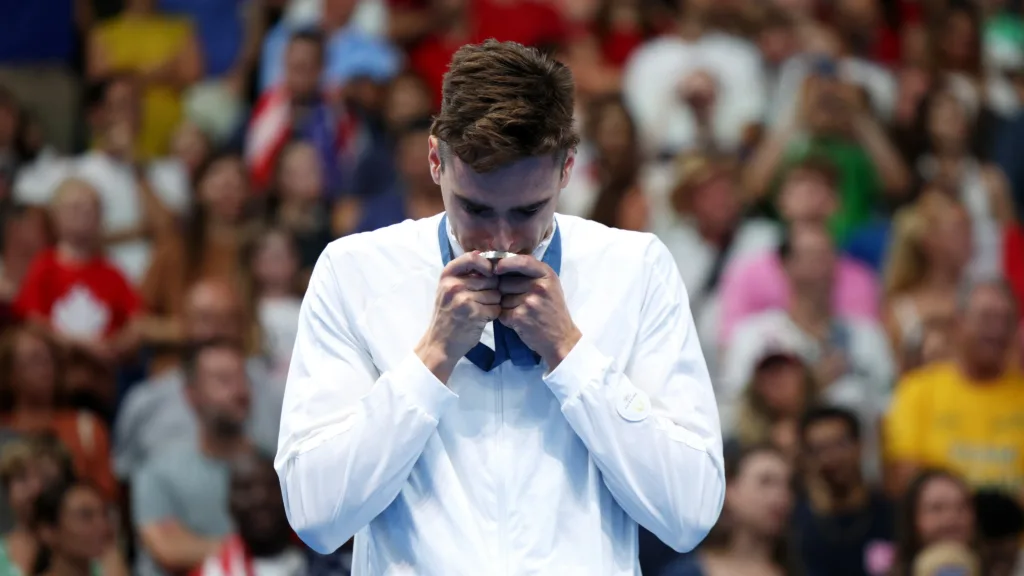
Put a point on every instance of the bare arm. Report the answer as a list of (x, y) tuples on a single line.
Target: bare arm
[(98, 63), (181, 71), (891, 169), (766, 162), (174, 547)]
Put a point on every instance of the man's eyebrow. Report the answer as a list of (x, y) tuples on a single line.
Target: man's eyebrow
[(481, 205)]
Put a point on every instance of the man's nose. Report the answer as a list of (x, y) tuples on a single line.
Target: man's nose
[(502, 239)]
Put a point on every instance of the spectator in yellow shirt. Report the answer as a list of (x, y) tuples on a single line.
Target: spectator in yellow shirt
[(965, 415)]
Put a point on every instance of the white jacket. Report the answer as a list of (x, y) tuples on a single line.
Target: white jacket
[(513, 471)]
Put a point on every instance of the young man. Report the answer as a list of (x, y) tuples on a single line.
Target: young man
[(843, 525), (402, 420)]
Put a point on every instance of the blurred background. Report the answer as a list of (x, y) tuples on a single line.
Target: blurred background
[(840, 181)]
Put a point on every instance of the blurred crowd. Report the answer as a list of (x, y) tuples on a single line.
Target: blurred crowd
[(840, 181)]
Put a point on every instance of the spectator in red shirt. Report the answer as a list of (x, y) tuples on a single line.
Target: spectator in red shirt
[(528, 22), (74, 290)]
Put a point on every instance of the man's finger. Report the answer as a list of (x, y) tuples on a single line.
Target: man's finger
[(488, 297), (469, 263), (510, 301), (477, 282), (515, 284), (522, 264)]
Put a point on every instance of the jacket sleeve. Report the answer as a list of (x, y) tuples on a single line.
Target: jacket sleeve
[(652, 428), (349, 435)]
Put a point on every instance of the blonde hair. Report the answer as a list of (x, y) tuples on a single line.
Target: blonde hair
[(17, 455), (907, 263)]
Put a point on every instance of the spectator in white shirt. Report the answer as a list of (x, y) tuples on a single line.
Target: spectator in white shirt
[(658, 85), (850, 358)]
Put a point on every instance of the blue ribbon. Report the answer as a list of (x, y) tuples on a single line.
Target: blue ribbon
[(507, 344)]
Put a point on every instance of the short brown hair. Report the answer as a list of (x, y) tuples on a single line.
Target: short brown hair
[(502, 102)]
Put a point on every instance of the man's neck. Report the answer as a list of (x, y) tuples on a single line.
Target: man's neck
[(827, 501), (74, 253), (747, 546), (812, 313), (222, 448), (60, 566), (978, 373)]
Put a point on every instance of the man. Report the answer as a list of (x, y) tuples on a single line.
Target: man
[(156, 414), (263, 544), (180, 500), (603, 418), (843, 526), (966, 415), (850, 358)]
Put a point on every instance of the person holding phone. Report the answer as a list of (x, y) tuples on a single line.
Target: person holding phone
[(464, 416)]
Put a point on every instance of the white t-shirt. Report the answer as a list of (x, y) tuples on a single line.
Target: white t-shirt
[(650, 85)]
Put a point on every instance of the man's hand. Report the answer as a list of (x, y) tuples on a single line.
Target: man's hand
[(533, 305), (467, 299)]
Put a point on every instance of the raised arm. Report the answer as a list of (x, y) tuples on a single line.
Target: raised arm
[(660, 453), (349, 435)]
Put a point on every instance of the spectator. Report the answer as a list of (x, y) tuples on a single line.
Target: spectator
[(75, 293), (264, 538), (930, 250), (954, 414), (407, 100), (349, 50), (27, 467), (951, 161), (26, 232), (212, 248), (134, 207), (834, 122), (75, 533), (299, 203), (457, 22), (936, 509), (619, 201), (229, 36), (276, 287), (750, 536), (414, 194), (180, 499), (694, 87), (155, 414), (33, 400), (844, 525), (758, 283), (171, 62), (706, 234), (852, 367), (296, 108), (1000, 526), (779, 392)]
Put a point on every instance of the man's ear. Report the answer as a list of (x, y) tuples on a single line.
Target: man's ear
[(434, 158), (567, 166)]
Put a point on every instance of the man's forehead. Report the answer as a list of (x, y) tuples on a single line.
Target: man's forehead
[(524, 182)]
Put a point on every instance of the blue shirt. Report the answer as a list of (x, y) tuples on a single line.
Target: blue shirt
[(350, 53), (221, 29), (37, 31)]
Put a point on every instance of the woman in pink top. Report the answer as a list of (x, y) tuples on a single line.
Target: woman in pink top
[(807, 195)]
